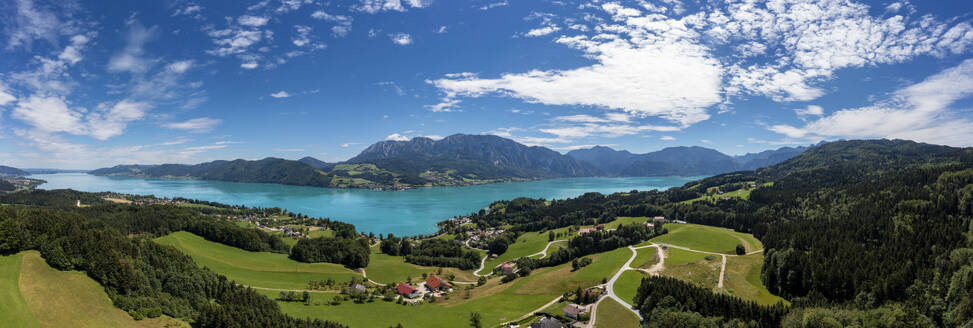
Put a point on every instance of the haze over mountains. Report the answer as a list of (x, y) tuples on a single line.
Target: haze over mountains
[(678, 160), (460, 160)]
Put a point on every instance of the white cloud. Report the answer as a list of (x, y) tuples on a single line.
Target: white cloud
[(249, 64), (49, 114), (397, 137), (29, 22), (280, 94), (5, 96), (542, 31), (658, 60), (113, 121), (303, 35), (188, 10), (811, 110), (252, 21), (706, 141), (131, 59), (402, 39), (289, 149), (180, 67), (342, 23), (494, 5), (441, 30), (919, 112), (376, 6), (667, 138), (197, 125)]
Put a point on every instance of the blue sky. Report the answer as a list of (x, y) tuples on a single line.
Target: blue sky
[(97, 83)]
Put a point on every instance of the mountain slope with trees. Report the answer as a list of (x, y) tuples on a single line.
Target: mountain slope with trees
[(856, 232)]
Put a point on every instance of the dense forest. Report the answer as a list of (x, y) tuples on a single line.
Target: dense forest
[(431, 252), (872, 227), (112, 244), (352, 253)]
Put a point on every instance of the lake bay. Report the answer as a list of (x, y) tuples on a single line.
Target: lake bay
[(406, 212)]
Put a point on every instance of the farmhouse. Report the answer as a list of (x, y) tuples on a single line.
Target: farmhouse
[(573, 311), (435, 283), (407, 291), (507, 268), (358, 288), (659, 219), (586, 230), (547, 322)]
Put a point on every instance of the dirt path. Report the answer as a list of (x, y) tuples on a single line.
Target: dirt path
[(722, 273), (543, 253), (482, 263), (365, 275), (658, 267), (292, 290)]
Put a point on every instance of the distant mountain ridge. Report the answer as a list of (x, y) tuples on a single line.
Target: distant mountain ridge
[(456, 160), (7, 171), (485, 156), (681, 160), (267, 170)]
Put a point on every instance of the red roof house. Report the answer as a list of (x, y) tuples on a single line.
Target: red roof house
[(406, 290), (507, 268), (435, 283)]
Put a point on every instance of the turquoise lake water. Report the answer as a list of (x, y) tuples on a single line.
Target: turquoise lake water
[(406, 212)]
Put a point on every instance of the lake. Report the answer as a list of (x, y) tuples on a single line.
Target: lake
[(406, 212)]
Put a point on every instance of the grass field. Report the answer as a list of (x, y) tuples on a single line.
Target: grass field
[(645, 258), (384, 268), (260, 269), (13, 308), (693, 267), (743, 280), (614, 315), (527, 244), (62, 299), (628, 283), (706, 238), (495, 301), (533, 242)]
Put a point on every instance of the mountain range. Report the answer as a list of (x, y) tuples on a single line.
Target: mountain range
[(459, 159), (684, 161)]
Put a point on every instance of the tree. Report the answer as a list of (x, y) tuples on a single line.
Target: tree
[(481, 281), (550, 236), (741, 250), (475, 320)]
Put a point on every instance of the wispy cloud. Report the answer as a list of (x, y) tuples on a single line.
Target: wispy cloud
[(196, 125)]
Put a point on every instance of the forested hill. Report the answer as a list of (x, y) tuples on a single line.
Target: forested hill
[(685, 161), (268, 170), (855, 231), (473, 156), (7, 171)]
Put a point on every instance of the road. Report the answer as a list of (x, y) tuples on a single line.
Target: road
[(543, 253)]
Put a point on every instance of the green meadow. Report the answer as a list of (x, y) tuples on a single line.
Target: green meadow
[(259, 269), (708, 239), (613, 315), (628, 283)]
